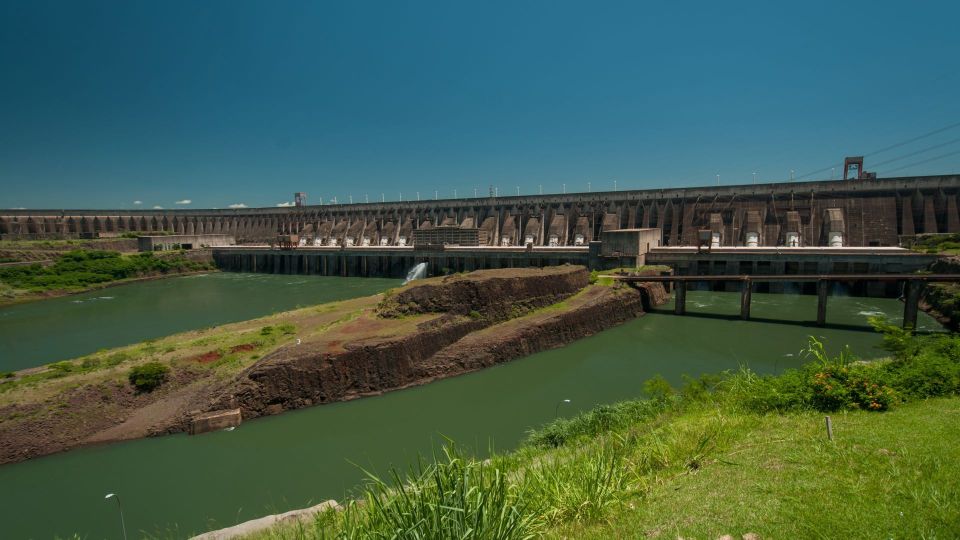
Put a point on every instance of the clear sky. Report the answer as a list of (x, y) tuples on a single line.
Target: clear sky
[(231, 102)]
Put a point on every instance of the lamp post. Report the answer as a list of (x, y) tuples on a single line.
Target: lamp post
[(123, 526), (556, 410)]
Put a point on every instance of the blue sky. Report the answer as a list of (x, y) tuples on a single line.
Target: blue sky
[(219, 103)]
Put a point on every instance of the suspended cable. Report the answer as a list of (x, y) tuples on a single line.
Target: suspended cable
[(886, 148), (908, 141), (941, 156), (921, 151)]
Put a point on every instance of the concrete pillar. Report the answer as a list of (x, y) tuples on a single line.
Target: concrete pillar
[(823, 290), (680, 302), (911, 303), (746, 288)]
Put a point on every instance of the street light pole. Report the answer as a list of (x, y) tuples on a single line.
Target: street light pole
[(556, 410), (123, 526)]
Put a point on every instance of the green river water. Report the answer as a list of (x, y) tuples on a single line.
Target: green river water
[(38, 333), (176, 485)]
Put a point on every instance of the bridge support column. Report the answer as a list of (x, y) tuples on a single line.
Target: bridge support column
[(746, 289), (680, 302), (823, 289), (911, 303)]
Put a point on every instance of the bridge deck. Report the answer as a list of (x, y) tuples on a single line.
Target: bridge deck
[(792, 277), (912, 290)]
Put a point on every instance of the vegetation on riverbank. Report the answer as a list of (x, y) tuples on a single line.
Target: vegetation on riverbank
[(80, 270), (736, 453), (945, 244)]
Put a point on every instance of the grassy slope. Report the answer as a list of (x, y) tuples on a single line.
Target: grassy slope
[(712, 471), (890, 475)]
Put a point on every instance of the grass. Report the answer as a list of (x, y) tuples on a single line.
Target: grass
[(943, 244), (735, 453), (890, 475)]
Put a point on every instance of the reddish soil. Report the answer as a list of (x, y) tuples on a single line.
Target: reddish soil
[(208, 357), (243, 347)]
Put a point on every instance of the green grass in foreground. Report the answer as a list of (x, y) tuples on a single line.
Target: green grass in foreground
[(729, 454)]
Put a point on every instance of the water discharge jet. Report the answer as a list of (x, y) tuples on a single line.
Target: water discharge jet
[(417, 272)]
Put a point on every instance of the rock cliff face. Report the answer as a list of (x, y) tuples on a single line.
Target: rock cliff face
[(485, 318), (497, 294)]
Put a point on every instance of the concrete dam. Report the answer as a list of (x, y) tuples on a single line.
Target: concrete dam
[(847, 213), (844, 226)]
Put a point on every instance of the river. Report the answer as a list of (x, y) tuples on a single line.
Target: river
[(41, 332), (175, 485)]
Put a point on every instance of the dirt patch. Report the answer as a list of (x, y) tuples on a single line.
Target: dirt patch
[(208, 357), (243, 347)]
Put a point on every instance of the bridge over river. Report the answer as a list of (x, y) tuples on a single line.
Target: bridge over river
[(913, 288)]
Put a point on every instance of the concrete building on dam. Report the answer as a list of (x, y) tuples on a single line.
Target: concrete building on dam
[(844, 213)]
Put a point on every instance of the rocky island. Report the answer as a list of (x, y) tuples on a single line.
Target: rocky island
[(426, 330)]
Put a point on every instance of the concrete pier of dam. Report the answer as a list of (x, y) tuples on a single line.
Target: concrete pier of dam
[(868, 212)]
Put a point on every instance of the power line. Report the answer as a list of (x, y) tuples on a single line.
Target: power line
[(921, 151), (928, 160), (908, 141), (886, 148)]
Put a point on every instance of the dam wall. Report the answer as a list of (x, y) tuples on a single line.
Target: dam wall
[(397, 261), (820, 213)]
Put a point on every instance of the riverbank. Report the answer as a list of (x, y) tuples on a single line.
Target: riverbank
[(79, 271), (322, 354), (732, 454)]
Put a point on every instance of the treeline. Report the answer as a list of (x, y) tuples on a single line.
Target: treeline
[(81, 268)]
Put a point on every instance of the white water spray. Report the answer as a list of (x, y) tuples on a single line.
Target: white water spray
[(417, 272)]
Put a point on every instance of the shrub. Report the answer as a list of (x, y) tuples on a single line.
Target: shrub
[(7, 374), (658, 388), (287, 329), (266, 331), (89, 364), (149, 376)]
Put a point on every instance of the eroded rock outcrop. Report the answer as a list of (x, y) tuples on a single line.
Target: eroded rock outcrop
[(497, 294)]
